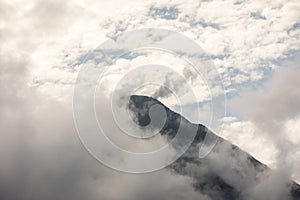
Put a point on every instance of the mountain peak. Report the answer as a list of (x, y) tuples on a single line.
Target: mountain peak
[(226, 172)]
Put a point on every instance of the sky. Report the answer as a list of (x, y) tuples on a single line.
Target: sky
[(253, 47)]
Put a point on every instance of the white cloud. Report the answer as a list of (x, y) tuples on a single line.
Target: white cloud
[(245, 135), (225, 30)]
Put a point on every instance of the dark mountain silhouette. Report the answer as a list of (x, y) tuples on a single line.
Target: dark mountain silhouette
[(226, 172)]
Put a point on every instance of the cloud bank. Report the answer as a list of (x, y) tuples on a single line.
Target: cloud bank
[(40, 54)]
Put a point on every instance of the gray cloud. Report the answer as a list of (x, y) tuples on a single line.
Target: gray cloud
[(42, 157), (271, 108), (278, 101)]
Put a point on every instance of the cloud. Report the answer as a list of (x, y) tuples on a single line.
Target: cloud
[(278, 101), (271, 111), (42, 157), (242, 47)]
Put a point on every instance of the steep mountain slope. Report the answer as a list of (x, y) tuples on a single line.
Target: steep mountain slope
[(226, 172)]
